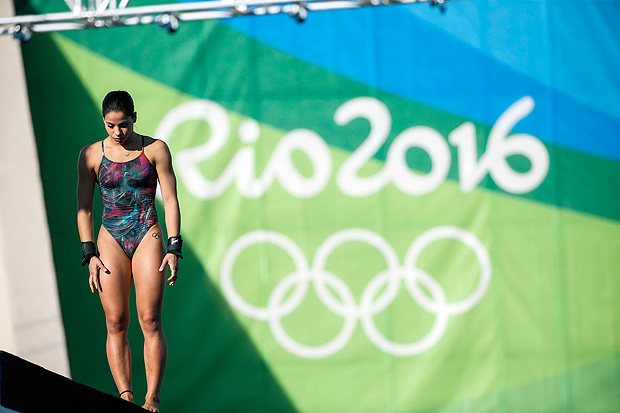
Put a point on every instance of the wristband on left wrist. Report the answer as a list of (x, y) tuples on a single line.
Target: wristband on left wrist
[(175, 246)]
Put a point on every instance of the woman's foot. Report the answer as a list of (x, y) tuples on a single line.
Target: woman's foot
[(127, 395), (152, 405)]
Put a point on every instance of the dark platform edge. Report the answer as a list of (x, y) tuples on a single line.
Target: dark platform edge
[(26, 387)]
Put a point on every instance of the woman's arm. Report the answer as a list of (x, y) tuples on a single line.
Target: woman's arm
[(86, 227), (85, 190), (168, 186)]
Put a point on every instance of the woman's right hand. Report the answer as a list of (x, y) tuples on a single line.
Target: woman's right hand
[(94, 267)]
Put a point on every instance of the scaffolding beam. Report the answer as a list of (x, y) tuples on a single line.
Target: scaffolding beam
[(93, 14)]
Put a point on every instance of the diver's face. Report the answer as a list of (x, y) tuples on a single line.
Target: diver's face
[(119, 126)]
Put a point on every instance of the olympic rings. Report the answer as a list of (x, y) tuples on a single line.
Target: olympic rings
[(281, 303)]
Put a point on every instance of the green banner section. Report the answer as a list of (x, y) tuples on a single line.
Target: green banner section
[(348, 249)]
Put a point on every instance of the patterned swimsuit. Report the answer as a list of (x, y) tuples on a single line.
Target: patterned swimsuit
[(128, 195)]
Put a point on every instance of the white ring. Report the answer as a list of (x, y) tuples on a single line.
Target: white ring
[(425, 343), (450, 232), (339, 238), (233, 252), (319, 351)]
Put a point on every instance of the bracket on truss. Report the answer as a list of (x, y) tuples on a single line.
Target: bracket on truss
[(167, 21), (439, 3), (23, 33), (299, 12)]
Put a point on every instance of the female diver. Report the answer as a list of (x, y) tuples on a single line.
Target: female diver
[(127, 166)]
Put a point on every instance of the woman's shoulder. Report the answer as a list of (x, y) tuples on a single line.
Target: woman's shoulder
[(91, 151), (155, 146), (90, 157), (150, 141)]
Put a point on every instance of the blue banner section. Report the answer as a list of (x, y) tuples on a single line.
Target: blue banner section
[(499, 52)]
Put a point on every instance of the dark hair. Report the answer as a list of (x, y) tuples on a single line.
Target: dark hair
[(117, 101)]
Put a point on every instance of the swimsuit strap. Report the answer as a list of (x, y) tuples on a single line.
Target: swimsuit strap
[(102, 148)]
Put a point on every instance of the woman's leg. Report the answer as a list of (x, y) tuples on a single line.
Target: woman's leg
[(149, 283), (115, 300)]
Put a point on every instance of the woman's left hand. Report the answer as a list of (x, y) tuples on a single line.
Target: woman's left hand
[(172, 261)]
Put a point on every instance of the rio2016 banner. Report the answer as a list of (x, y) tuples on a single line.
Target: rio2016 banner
[(385, 209)]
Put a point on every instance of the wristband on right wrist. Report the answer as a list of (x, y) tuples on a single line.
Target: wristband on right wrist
[(88, 251), (175, 245)]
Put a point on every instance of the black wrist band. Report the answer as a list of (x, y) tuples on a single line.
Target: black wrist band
[(88, 251), (175, 245)]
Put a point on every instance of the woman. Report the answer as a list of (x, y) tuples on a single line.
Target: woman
[(127, 166)]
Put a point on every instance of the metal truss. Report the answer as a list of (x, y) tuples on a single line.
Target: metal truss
[(91, 14)]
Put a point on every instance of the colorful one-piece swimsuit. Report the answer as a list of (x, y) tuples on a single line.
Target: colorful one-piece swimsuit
[(128, 195)]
